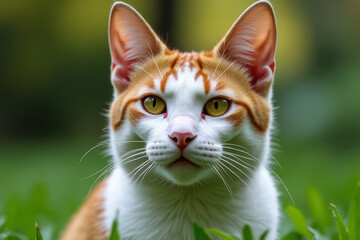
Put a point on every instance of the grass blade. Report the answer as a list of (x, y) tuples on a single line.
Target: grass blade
[(114, 230), (37, 232), (219, 233), (292, 236), (263, 236), (319, 212), (247, 234), (354, 216), (298, 220), (199, 233), (343, 234)]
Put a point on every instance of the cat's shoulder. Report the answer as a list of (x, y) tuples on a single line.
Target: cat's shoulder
[(86, 223)]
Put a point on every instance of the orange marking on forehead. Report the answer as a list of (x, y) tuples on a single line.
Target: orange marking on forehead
[(168, 73), (220, 86), (178, 64), (200, 72), (173, 63)]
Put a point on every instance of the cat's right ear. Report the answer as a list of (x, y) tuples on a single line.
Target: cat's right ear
[(131, 41), (251, 42)]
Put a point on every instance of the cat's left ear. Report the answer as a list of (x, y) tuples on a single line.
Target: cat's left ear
[(251, 42), (131, 41)]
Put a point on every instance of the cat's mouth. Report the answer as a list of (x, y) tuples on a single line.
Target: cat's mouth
[(183, 162)]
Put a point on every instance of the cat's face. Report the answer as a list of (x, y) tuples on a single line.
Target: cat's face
[(190, 116)]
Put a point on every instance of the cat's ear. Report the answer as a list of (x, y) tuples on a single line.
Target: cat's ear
[(251, 42), (131, 41)]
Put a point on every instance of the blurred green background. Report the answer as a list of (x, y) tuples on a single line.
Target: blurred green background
[(55, 87)]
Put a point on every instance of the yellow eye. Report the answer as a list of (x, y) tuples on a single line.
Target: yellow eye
[(154, 105), (216, 106)]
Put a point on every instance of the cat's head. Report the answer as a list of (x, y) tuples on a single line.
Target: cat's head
[(187, 117)]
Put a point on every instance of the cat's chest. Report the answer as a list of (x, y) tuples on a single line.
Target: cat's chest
[(160, 214)]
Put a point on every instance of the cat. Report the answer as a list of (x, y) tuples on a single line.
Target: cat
[(189, 134)]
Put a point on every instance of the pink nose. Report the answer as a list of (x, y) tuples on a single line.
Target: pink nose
[(182, 139)]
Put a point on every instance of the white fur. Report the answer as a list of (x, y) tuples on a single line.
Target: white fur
[(163, 203)]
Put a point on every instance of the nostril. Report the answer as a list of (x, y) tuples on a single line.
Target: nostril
[(174, 139), (182, 139)]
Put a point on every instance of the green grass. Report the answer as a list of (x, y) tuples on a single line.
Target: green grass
[(301, 229), (44, 181)]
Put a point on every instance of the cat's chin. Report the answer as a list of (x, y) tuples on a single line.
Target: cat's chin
[(183, 172), (183, 163)]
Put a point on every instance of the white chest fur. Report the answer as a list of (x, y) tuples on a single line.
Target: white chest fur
[(163, 212)]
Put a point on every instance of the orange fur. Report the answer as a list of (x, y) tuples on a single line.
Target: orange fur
[(237, 118), (86, 223), (134, 115), (233, 77)]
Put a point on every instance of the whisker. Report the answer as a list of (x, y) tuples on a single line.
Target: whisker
[(241, 163), (102, 169), (223, 180), (138, 168), (236, 174), (287, 190), (129, 161), (141, 68), (242, 151), (97, 179), (277, 162), (96, 146), (147, 170), (224, 171), (153, 58), (221, 58), (136, 154), (114, 165), (242, 180), (224, 71), (104, 143), (272, 156)]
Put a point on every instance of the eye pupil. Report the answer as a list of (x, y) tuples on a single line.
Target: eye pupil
[(216, 103), (216, 106), (154, 104)]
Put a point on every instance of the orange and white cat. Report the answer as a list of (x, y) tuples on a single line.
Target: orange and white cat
[(189, 134)]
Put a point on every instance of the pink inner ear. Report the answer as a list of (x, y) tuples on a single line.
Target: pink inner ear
[(120, 73), (260, 83), (263, 65), (261, 74)]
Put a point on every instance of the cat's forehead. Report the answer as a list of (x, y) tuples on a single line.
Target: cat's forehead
[(185, 78)]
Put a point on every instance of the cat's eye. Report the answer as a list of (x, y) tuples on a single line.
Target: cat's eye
[(216, 106), (154, 105)]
